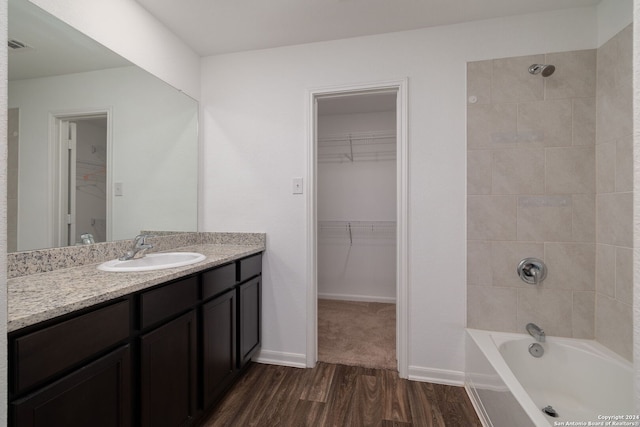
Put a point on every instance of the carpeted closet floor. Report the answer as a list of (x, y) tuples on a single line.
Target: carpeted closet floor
[(357, 333)]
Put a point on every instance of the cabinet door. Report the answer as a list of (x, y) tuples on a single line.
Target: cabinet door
[(96, 395), (249, 319), (219, 345), (168, 373)]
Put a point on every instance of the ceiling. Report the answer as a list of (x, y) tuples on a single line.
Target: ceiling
[(54, 48), (213, 27)]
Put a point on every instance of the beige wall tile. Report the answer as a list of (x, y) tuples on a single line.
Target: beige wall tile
[(584, 121), (479, 81), (570, 266), (575, 75), (512, 81), (549, 309), (624, 60), (479, 165), (605, 168), (614, 212), (614, 117), (614, 325), (605, 269), (583, 315), (479, 263), (552, 119), (570, 170), (624, 164), (544, 218), (606, 72), (505, 257), (492, 308), (491, 217), (518, 171), (624, 275), (491, 125), (583, 220)]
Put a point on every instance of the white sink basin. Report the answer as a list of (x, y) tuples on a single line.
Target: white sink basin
[(156, 261)]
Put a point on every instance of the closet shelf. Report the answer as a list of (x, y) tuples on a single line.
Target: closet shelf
[(357, 230), (356, 146)]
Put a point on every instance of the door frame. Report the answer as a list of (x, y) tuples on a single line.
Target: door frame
[(400, 87), (55, 166)]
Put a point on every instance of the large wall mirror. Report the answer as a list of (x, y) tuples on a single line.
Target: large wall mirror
[(96, 145)]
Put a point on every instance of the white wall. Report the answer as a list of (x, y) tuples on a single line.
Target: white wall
[(254, 108), (362, 269), (129, 30), (154, 150)]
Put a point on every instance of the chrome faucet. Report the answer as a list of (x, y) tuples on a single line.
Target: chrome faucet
[(139, 245), (536, 332)]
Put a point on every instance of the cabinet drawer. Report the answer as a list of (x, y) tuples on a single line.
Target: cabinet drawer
[(250, 267), (41, 354), (168, 300), (218, 280)]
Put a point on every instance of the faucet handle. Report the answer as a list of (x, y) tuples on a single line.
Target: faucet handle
[(142, 238), (140, 242)]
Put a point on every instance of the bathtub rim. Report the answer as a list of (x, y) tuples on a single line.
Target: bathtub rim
[(488, 343), (484, 340)]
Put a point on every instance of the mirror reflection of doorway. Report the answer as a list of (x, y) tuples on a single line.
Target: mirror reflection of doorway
[(13, 138), (82, 178)]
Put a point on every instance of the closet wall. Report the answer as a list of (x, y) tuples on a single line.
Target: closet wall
[(357, 206)]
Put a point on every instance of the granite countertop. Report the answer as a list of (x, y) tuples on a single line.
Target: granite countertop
[(37, 297)]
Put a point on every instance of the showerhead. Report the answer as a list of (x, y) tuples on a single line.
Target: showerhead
[(545, 69)]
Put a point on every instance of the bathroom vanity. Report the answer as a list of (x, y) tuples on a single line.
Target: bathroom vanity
[(154, 352)]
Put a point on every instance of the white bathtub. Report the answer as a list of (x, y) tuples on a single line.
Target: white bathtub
[(582, 380)]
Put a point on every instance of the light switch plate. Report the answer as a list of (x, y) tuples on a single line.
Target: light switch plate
[(117, 189)]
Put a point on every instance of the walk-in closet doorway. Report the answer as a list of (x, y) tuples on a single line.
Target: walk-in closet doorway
[(358, 227)]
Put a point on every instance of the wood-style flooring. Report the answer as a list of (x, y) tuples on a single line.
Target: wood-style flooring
[(339, 395)]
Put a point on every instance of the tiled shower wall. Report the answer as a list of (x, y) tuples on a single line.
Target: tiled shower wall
[(531, 192), (614, 194), (543, 182)]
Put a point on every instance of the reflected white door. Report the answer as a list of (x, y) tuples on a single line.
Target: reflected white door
[(68, 153)]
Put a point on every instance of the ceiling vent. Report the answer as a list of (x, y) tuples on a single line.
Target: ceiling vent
[(17, 45)]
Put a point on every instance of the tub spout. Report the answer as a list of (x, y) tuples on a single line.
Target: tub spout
[(536, 332)]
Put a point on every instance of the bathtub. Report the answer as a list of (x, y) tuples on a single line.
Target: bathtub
[(583, 381)]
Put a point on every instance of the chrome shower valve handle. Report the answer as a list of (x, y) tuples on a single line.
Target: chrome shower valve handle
[(532, 271)]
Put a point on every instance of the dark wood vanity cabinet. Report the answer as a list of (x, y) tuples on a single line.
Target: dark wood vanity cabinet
[(249, 319), (218, 345), (158, 357), (97, 395), (168, 373)]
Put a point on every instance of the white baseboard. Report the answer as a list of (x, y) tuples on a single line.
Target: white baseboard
[(281, 358), (438, 376), (361, 298)]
